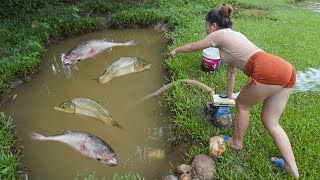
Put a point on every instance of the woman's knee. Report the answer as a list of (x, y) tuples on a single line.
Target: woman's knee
[(271, 126), (242, 106)]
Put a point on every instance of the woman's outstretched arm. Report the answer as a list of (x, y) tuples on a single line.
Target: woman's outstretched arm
[(191, 47)]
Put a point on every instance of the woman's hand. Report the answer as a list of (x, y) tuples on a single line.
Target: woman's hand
[(235, 95), (173, 53)]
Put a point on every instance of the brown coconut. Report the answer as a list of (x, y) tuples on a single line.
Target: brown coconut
[(217, 146), (204, 167)]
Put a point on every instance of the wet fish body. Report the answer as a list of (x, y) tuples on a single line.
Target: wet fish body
[(89, 49), (123, 66), (87, 107), (87, 144)]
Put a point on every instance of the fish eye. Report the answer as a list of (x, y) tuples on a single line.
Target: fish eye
[(73, 52), (99, 159)]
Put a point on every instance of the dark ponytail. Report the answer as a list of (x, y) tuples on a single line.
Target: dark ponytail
[(221, 16)]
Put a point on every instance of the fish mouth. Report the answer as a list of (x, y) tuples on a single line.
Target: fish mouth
[(145, 67), (66, 61), (57, 108), (111, 162)]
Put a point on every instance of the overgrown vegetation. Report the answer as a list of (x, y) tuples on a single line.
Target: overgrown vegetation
[(9, 153), (284, 30), (129, 176)]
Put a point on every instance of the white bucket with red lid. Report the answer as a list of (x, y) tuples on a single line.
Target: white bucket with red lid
[(211, 58)]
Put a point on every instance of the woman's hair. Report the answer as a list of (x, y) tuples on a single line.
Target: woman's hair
[(221, 16)]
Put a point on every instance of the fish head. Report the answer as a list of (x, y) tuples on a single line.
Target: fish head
[(70, 58), (141, 65), (111, 161), (107, 157), (67, 106), (101, 151)]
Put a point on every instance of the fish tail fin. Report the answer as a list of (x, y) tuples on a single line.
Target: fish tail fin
[(130, 43), (37, 136), (115, 124)]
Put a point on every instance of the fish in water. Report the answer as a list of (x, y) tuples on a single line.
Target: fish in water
[(89, 49), (156, 154), (87, 144), (123, 66), (87, 107)]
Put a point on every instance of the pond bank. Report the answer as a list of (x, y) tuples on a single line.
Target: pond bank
[(282, 37)]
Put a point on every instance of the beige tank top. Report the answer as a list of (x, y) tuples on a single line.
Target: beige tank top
[(235, 49)]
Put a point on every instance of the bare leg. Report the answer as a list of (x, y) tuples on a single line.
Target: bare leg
[(246, 99), (273, 107)]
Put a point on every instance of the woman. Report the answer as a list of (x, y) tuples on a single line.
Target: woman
[(271, 80)]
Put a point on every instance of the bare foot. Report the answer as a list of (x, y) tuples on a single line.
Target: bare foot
[(232, 143)]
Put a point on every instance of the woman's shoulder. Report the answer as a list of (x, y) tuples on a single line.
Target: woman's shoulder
[(228, 30), (231, 32), (225, 31), (217, 32)]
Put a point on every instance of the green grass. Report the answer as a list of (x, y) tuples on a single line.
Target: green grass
[(285, 30), (9, 153), (128, 176), (23, 39)]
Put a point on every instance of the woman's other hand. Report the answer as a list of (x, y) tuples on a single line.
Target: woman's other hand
[(235, 95), (173, 53)]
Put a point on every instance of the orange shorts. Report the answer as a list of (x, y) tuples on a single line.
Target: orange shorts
[(269, 69)]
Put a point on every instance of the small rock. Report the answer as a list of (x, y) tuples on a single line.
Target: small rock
[(204, 167), (170, 177), (183, 168)]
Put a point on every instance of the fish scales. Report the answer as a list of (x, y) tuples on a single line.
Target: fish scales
[(87, 144), (91, 108), (87, 107), (89, 49), (123, 66), (71, 138)]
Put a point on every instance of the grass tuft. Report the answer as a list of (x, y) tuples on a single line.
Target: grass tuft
[(9, 154)]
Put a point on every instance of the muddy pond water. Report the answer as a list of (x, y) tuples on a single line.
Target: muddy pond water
[(141, 147)]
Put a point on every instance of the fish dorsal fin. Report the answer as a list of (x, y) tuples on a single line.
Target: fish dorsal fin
[(67, 131)]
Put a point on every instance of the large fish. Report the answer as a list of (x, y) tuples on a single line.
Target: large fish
[(123, 66), (87, 107), (89, 49), (87, 144)]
